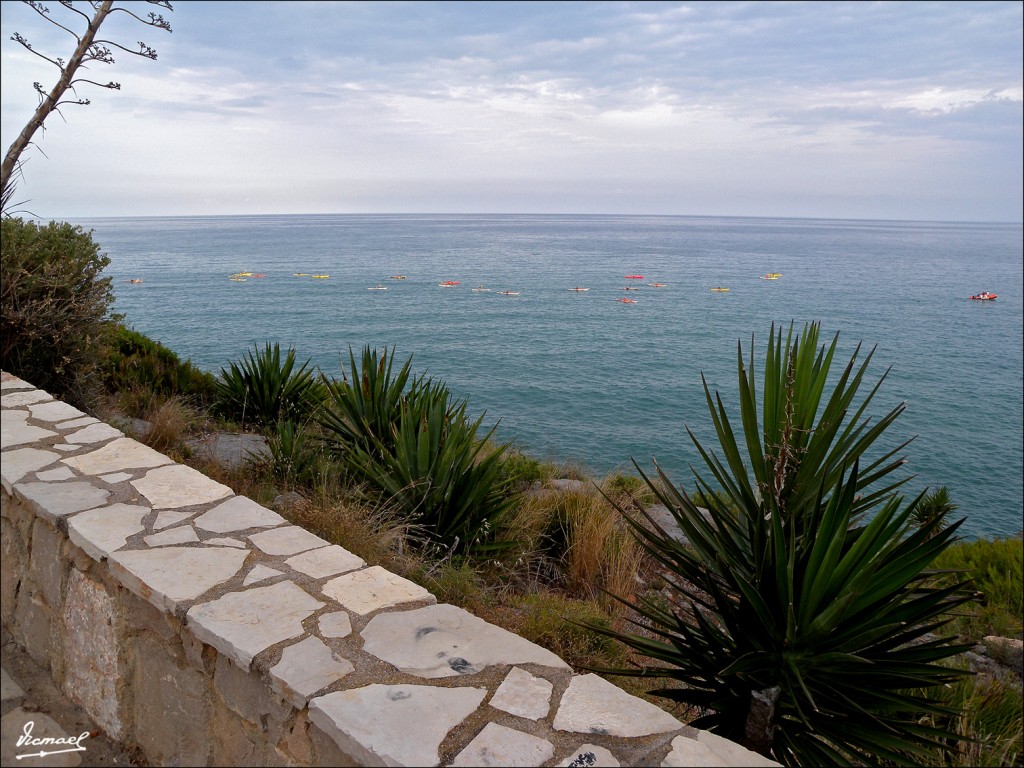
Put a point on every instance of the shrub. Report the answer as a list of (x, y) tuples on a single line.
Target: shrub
[(136, 362), (799, 622), (264, 389), (996, 569), (56, 307)]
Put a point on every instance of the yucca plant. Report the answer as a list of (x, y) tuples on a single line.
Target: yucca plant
[(263, 388), (935, 505), (444, 478), (292, 456), (363, 408), (803, 608)]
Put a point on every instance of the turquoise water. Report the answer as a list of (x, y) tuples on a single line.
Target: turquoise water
[(583, 377)]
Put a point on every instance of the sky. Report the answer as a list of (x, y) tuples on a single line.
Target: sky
[(856, 110)]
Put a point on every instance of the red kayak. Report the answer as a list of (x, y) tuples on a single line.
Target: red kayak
[(984, 296), (634, 277)]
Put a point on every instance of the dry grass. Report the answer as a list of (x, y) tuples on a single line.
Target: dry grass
[(169, 423)]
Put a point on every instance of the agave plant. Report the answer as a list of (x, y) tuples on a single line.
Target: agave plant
[(363, 408), (292, 457), (440, 475), (264, 389), (803, 609)]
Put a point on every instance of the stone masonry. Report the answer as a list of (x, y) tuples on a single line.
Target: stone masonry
[(203, 629)]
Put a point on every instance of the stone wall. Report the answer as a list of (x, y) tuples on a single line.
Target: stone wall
[(203, 629)]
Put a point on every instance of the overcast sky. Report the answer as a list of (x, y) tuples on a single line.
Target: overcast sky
[(848, 110)]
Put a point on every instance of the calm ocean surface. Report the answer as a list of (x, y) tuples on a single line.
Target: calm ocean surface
[(583, 377)]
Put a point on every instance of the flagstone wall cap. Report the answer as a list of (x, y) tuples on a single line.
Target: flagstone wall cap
[(120, 454), (447, 641), (591, 704), (289, 540), (306, 667), (498, 745), (106, 529), (21, 461), (176, 485), (15, 430), (54, 411), (242, 624), (374, 588), (238, 513), (52, 501), (397, 725), (170, 576)]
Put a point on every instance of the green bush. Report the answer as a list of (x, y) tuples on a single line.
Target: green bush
[(136, 362), (996, 569), (802, 609), (56, 307), (264, 389)]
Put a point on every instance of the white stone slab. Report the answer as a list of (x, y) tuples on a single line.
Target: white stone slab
[(66, 448), (82, 421), (179, 486), (53, 500), (123, 453), (225, 541), (15, 430), (169, 517), (289, 540), (19, 462), (94, 433), (170, 576), (590, 755), (237, 514), (690, 753), (593, 705), (337, 624), (367, 590), (12, 382), (54, 411), (116, 477), (523, 695), (445, 641), (241, 624), (731, 752), (102, 531), (55, 475), (325, 561), (305, 668), (498, 746), (393, 724), (259, 573), (16, 399), (185, 534)]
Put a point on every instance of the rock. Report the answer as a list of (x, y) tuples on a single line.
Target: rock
[(286, 501), (231, 451), (1008, 651)]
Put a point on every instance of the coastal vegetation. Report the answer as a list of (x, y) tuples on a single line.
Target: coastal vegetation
[(56, 306), (803, 612), (391, 466)]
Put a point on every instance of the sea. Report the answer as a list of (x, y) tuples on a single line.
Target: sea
[(583, 378)]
